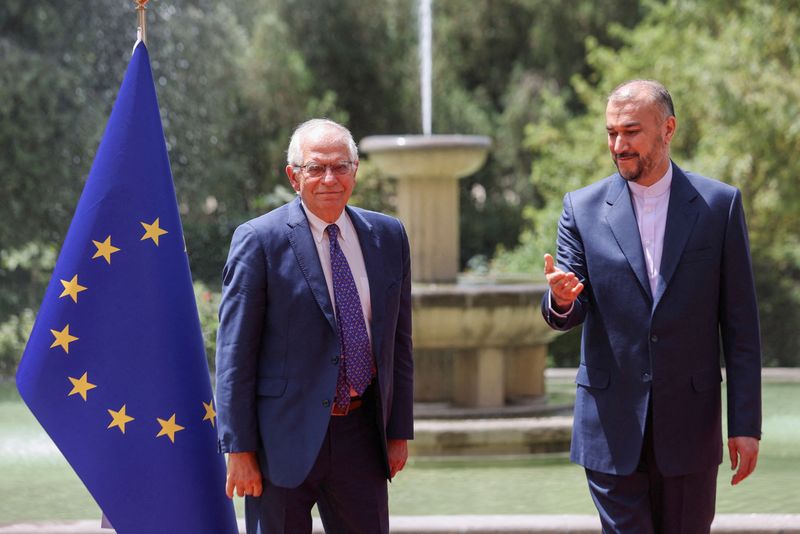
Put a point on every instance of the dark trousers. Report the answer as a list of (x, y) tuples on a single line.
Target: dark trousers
[(347, 482), (648, 502)]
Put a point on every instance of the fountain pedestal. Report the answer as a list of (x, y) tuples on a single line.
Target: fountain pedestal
[(427, 169)]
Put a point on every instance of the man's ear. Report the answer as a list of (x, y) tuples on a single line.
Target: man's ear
[(670, 125), (294, 179)]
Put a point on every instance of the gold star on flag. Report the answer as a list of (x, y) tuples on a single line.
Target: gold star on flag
[(72, 288), (63, 339), (169, 428), (152, 231), (80, 386), (104, 249), (119, 418), (210, 413)]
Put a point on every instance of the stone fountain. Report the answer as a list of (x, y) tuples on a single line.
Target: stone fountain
[(479, 347)]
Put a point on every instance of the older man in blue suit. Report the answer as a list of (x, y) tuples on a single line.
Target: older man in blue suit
[(314, 363), (655, 263)]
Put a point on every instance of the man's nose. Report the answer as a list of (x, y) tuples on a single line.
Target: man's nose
[(328, 175), (619, 144)]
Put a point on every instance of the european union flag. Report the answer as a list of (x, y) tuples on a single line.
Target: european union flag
[(115, 369)]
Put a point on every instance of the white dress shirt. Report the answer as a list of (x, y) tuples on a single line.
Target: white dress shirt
[(348, 241), (650, 205)]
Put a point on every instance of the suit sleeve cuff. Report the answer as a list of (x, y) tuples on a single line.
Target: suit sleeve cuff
[(554, 313)]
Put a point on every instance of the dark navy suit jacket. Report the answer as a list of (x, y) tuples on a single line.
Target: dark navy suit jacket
[(278, 346), (664, 348)]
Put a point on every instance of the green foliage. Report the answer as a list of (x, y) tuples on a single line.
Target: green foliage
[(208, 308), (494, 63), (234, 78), (14, 333), (732, 69), (61, 71), (25, 271)]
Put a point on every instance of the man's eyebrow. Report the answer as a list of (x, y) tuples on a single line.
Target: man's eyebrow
[(630, 124)]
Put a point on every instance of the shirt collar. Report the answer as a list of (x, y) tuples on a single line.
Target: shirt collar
[(318, 226), (655, 190)]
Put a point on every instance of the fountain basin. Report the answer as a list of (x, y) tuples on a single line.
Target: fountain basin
[(425, 156), (481, 315), (479, 346)]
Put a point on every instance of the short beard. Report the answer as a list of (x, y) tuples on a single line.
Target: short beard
[(631, 176), (645, 165)]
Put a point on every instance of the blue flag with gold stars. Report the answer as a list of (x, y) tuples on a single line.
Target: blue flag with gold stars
[(115, 368)]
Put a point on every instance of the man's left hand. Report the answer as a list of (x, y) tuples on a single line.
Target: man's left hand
[(397, 450), (743, 451)]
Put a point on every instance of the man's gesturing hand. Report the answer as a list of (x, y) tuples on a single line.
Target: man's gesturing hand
[(564, 287), (244, 476)]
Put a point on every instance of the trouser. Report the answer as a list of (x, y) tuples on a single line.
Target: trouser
[(347, 483), (648, 502)]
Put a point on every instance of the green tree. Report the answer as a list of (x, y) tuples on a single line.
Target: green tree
[(732, 69), (493, 62), (61, 70), (233, 79)]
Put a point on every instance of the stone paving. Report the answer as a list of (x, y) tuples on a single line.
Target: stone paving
[(480, 524)]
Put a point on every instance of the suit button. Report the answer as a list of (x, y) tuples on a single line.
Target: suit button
[(326, 403), (654, 338), (646, 377), (335, 360)]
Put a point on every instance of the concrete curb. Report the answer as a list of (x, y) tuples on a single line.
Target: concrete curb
[(768, 374), (478, 524), (483, 437)]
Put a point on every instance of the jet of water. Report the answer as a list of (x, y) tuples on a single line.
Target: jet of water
[(425, 61)]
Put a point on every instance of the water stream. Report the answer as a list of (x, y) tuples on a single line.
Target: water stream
[(425, 62)]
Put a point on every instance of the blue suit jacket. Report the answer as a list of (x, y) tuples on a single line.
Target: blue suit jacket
[(664, 348), (278, 344)]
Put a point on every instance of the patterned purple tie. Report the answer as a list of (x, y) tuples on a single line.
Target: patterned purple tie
[(355, 367)]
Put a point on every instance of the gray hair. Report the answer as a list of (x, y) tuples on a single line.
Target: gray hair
[(655, 90), (294, 154)]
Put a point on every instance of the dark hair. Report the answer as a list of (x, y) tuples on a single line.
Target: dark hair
[(655, 89)]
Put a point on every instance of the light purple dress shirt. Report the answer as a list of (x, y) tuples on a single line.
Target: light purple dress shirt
[(650, 205)]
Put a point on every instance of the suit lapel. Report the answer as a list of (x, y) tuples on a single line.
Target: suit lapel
[(681, 218), (373, 262), (305, 250), (622, 220)]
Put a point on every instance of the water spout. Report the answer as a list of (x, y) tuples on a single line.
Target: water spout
[(425, 61)]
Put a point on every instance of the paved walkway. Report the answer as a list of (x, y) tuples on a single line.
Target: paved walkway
[(482, 524)]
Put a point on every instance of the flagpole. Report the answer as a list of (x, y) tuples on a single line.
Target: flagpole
[(141, 32)]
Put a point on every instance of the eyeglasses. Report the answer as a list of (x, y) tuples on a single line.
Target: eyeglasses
[(317, 170)]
